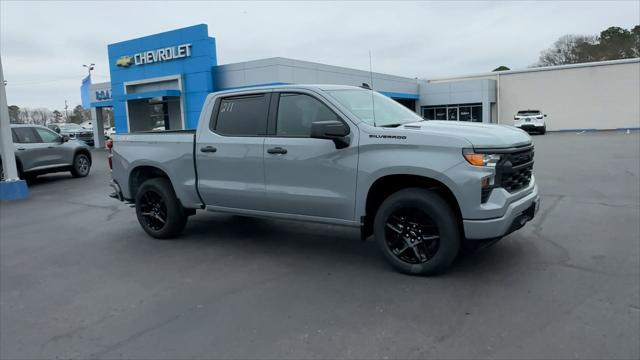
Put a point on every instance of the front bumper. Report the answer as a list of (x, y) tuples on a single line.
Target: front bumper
[(518, 213)]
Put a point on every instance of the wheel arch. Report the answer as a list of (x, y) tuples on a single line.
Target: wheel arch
[(83, 151), (142, 173), (386, 185)]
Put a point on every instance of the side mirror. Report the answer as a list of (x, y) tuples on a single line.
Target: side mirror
[(65, 138), (331, 130), (545, 115)]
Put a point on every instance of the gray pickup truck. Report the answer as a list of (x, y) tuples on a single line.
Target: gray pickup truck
[(339, 155)]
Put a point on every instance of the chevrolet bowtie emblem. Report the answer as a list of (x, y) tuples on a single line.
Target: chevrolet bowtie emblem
[(124, 61)]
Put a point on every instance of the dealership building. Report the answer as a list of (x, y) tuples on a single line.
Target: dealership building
[(161, 82)]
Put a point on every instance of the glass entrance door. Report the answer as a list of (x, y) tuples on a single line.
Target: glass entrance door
[(452, 114)]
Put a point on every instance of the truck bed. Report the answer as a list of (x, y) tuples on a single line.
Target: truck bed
[(171, 151)]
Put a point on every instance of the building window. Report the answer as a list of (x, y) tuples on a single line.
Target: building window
[(453, 112)]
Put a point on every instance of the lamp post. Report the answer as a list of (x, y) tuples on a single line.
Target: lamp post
[(89, 67)]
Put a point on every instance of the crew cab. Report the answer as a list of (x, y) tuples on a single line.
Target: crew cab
[(338, 155)]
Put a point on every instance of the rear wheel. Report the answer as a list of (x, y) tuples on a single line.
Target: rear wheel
[(417, 231), (81, 165), (158, 209)]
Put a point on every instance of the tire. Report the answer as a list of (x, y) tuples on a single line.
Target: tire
[(81, 165), (544, 130), (417, 232), (158, 210)]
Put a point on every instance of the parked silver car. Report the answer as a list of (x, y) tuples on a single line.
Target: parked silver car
[(39, 150), (74, 132)]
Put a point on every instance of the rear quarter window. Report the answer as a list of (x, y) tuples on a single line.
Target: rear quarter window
[(242, 115)]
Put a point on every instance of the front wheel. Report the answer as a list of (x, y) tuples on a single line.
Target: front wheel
[(417, 231), (158, 210), (81, 165)]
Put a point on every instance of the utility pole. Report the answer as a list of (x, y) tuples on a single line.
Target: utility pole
[(66, 112)]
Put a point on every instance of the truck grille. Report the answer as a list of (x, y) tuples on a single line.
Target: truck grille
[(515, 169)]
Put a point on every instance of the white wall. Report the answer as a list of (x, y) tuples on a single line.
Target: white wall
[(597, 97)]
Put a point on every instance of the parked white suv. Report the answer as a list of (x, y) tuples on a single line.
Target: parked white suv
[(530, 121)]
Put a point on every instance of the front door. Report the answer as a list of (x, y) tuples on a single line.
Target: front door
[(306, 176), (53, 151), (230, 153)]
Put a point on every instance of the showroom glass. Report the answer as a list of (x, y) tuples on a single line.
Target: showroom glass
[(387, 111), (48, 136), (242, 116), (26, 135), (463, 112), (296, 112)]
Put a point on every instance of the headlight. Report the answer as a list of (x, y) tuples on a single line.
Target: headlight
[(473, 158)]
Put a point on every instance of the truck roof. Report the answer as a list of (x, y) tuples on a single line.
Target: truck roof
[(291, 86)]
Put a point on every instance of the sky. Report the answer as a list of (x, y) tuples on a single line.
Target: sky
[(43, 45)]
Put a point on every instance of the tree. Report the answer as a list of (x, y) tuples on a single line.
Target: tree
[(79, 115), (612, 44), (57, 116), (501, 68), (14, 114), (568, 49)]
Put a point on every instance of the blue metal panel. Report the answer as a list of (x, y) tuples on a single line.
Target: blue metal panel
[(84, 92), (13, 190), (99, 104), (196, 69)]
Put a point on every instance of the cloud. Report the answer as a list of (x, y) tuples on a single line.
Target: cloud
[(44, 44)]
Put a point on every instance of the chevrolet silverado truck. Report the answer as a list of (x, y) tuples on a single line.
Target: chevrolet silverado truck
[(337, 155)]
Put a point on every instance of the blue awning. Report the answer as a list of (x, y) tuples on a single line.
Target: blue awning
[(98, 104), (149, 95), (398, 95)]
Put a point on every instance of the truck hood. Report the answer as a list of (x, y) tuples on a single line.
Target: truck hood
[(479, 135)]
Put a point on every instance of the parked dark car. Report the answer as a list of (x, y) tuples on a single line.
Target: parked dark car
[(74, 132)]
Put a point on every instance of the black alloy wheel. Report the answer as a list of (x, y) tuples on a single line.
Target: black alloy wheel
[(158, 209), (418, 231), (153, 210), (412, 236)]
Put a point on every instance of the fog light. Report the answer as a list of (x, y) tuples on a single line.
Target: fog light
[(486, 182)]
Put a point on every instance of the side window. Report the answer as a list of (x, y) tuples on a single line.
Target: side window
[(296, 112), (26, 135), (48, 136), (243, 116)]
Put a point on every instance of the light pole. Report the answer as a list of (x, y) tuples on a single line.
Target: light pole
[(89, 67)]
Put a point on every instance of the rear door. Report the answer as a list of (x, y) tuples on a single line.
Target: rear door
[(306, 176), (229, 152), (54, 152)]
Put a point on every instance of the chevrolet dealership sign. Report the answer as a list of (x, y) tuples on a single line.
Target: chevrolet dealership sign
[(154, 56)]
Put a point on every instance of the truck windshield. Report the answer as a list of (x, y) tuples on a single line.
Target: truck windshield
[(364, 104)]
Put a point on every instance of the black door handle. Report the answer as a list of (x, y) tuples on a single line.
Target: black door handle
[(208, 149), (21, 149), (277, 150)]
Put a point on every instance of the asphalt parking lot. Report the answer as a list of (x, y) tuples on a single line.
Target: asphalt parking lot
[(80, 279)]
